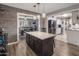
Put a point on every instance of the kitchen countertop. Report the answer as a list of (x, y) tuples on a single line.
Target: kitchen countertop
[(41, 35), (73, 29)]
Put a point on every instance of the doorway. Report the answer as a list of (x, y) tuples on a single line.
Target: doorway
[(27, 23)]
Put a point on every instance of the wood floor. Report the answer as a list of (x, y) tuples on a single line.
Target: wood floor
[(61, 49)]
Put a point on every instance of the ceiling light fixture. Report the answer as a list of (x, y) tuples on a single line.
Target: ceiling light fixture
[(38, 16), (65, 15), (38, 4), (34, 11), (43, 14)]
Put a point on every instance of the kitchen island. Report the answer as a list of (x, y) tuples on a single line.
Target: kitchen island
[(40, 42)]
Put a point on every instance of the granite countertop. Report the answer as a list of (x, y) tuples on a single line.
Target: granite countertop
[(41, 35)]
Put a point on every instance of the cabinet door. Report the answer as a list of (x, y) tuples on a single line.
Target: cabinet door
[(75, 17), (38, 46), (48, 46), (28, 40), (31, 42)]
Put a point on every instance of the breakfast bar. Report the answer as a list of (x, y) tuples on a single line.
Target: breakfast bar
[(40, 42)]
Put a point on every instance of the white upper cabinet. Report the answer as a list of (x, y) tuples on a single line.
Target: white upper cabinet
[(75, 17)]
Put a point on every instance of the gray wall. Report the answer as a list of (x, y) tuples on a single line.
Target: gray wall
[(8, 20)]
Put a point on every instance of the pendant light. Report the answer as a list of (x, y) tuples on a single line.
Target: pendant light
[(38, 16), (34, 11), (43, 14), (38, 4)]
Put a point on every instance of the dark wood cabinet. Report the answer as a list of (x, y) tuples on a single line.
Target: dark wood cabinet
[(40, 47)]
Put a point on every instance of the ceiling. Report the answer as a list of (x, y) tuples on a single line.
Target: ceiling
[(43, 7)]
